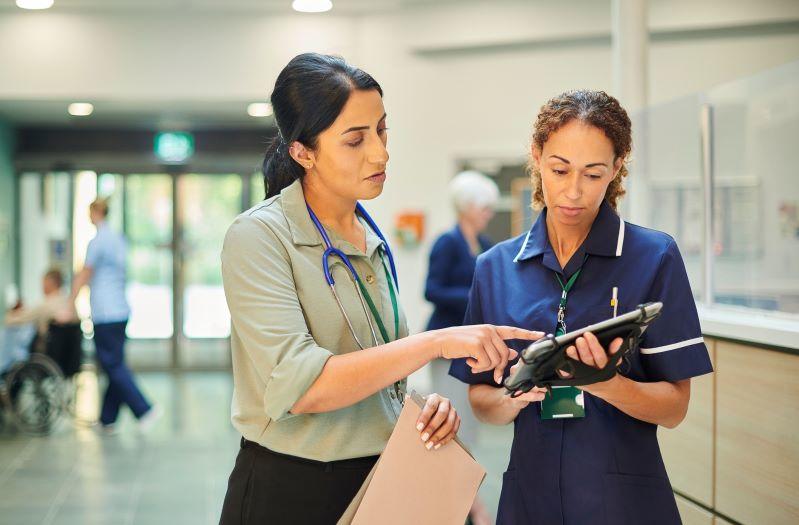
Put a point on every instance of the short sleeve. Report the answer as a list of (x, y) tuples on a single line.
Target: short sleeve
[(672, 348), (459, 369), (266, 313), (93, 253)]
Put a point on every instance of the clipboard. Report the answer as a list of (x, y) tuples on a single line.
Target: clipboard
[(410, 484)]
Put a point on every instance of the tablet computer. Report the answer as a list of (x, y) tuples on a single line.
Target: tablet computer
[(544, 358)]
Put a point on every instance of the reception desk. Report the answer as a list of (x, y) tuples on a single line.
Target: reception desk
[(735, 458)]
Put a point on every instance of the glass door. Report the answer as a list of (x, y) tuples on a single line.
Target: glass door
[(147, 218), (206, 206)]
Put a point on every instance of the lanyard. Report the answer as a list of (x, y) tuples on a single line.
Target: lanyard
[(373, 308), (564, 298)]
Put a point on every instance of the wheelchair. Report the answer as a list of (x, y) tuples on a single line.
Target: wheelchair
[(35, 393)]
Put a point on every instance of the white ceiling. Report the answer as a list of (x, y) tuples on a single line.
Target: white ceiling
[(276, 6), (182, 113)]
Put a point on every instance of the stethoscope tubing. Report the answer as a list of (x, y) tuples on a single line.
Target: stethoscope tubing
[(332, 251)]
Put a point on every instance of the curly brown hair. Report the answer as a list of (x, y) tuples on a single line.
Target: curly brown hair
[(596, 108)]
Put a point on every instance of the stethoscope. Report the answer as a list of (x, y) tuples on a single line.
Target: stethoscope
[(332, 251)]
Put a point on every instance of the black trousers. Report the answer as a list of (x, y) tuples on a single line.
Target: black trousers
[(266, 487)]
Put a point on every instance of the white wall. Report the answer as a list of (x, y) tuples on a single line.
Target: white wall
[(445, 106), (159, 55), (448, 95)]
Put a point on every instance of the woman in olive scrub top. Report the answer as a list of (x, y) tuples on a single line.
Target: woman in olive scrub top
[(315, 409)]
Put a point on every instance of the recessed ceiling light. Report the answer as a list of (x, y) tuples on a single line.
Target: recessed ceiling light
[(80, 109), (35, 4), (259, 109), (312, 6)]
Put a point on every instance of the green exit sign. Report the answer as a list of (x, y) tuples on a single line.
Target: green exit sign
[(174, 146)]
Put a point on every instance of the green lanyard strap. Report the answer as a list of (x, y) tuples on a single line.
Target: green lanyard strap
[(373, 308), (564, 298)]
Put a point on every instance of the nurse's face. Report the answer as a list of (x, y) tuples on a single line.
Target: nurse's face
[(350, 159), (577, 164)]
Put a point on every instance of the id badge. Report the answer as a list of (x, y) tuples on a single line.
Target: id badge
[(563, 402)]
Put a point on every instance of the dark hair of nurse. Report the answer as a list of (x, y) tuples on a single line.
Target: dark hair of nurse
[(310, 94)]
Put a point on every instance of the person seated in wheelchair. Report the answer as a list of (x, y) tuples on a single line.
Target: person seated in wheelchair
[(50, 326)]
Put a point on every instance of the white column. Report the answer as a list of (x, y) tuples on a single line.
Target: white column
[(630, 52), (630, 41)]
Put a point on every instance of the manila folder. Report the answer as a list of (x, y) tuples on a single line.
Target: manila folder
[(410, 484)]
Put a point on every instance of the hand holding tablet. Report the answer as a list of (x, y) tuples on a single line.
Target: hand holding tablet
[(546, 364)]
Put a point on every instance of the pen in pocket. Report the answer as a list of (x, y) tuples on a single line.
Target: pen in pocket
[(614, 300)]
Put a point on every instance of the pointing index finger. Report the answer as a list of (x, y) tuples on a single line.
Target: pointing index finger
[(513, 332)]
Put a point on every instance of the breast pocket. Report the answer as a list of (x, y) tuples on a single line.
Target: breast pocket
[(595, 313), (639, 499)]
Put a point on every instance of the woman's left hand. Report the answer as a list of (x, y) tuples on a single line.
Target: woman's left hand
[(438, 423), (588, 350)]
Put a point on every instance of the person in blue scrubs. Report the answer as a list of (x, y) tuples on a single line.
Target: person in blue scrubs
[(603, 464), (454, 253), (105, 270)]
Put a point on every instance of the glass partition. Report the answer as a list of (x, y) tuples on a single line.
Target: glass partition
[(751, 259), (665, 182), (756, 192)]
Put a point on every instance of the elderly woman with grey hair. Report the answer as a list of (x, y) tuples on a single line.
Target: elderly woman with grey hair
[(452, 262), (454, 252)]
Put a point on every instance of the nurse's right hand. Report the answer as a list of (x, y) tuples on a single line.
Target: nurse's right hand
[(482, 345), (521, 401)]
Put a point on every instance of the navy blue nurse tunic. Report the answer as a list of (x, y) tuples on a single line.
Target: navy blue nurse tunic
[(607, 466)]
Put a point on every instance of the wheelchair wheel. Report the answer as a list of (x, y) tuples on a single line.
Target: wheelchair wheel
[(36, 394)]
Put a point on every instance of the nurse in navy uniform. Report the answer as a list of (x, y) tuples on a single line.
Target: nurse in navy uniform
[(587, 455)]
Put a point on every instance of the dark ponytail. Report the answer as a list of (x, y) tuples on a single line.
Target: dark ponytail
[(279, 169), (309, 94)]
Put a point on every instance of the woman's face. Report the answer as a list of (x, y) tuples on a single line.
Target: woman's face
[(350, 158), (576, 165)]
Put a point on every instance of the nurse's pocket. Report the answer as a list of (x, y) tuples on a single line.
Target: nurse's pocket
[(510, 502), (639, 499)]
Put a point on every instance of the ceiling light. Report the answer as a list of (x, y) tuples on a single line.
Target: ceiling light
[(80, 109), (259, 109), (312, 6), (35, 4)]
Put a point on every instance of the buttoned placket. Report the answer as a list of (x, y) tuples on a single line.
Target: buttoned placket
[(366, 268)]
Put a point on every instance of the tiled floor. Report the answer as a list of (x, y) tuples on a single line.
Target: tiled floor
[(174, 475)]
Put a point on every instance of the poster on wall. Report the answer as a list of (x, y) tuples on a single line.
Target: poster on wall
[(409, 228)]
